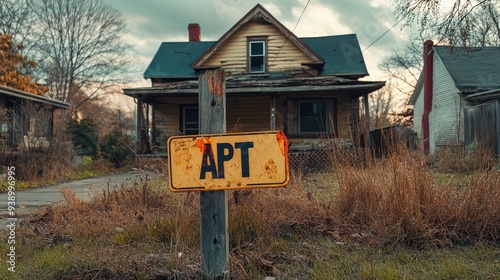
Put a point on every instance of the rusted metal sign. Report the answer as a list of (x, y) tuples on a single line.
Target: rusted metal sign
[(228, 161)]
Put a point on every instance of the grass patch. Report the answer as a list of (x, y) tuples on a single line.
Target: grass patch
[(476, 262), (40, 263), (85, 174), (4, 186)]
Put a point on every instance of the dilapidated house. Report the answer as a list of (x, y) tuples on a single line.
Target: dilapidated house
[(457, 98), (308, 87), (26, 119)]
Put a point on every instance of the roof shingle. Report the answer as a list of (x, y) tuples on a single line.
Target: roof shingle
[(342, 56), (474, 69)]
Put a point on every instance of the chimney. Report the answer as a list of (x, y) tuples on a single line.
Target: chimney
[(194, 32), (428, 84)]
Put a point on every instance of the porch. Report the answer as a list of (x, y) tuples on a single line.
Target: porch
[(308, 110)]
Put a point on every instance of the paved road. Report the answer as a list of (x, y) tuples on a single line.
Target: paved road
[(31, 199)]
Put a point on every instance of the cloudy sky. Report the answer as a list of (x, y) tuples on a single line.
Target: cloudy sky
[(151, 22)]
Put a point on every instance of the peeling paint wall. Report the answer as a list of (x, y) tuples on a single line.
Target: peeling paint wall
[(282, 53)]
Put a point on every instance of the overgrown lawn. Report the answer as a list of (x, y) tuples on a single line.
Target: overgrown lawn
[(382, 219)]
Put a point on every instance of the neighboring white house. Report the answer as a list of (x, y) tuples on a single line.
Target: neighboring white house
[(453, 80)]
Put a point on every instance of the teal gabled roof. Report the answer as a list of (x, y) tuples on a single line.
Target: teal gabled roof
[(342, 56), (174, 59), (474, 69)]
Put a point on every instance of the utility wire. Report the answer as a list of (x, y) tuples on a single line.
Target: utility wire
[(296, 24), (303, 11), (383, 34)]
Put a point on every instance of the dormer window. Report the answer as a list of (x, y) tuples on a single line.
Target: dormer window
[(257, 55)]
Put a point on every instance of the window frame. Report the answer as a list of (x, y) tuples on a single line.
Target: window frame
[(325, 128), (250, 41), (292, 121), (182, 119)]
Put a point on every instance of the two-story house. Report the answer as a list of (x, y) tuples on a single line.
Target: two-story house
[(308, 87)]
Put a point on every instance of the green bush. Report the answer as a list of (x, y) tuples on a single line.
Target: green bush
[(115, 147), (83, 135)]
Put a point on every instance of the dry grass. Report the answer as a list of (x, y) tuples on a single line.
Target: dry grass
[(146, 232), (399, 200), (454, 159), (49, 163)]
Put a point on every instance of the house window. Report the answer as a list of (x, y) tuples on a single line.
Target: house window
[(312, 117), (257, 56), (189, 120)]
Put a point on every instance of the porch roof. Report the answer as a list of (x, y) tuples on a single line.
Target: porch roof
[(265, 84), (11, 92)]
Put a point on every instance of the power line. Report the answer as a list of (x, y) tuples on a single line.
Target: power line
[(383, 34), (298, 20), (293, 30)]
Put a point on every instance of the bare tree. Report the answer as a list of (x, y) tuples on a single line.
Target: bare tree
[(455, 24), (403, 66), (16, 19), (485, 25), (467, 23), (382, 102), (80, 47)]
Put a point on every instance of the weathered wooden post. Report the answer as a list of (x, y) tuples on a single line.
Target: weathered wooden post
[(197, 163), (213, 204)]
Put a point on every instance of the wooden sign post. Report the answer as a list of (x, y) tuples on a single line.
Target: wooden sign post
[(213, 204)]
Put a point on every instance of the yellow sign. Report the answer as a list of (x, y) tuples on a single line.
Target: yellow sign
[(228, 161)]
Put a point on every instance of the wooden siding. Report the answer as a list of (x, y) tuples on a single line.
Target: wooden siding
[(167, 120), (283, 55), (446, 125), (344, 117), (253, 113), (3, 109), (446, 117), (3, 121), (245, 113)]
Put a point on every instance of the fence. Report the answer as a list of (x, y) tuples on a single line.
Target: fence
[(383, 141), (389, 138), (311, 160), (482, 126)]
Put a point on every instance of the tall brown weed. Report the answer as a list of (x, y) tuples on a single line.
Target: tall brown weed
[(398, 199)]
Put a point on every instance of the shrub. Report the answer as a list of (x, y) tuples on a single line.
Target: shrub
[(115, 147), (83, 134), (47, 163)]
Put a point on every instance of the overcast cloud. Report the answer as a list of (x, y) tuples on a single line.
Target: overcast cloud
[(151, 22)]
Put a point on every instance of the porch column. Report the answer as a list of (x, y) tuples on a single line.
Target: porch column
[(147, 125), (355, 122), (50, 132), (138, 120), (272, 124), (153, 126), (367, 116)]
